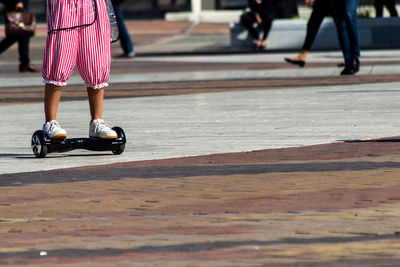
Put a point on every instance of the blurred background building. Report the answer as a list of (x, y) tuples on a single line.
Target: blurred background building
[(147, 9)]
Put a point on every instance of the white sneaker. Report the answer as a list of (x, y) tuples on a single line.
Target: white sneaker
[(54, 130), (99, 129)]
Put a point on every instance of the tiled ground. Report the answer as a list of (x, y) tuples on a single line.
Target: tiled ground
[(335, 204)]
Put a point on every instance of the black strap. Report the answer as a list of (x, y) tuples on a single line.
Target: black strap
[(75, 27)]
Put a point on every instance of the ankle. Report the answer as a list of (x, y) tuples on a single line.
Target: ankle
[(302, 55), (95, 119)]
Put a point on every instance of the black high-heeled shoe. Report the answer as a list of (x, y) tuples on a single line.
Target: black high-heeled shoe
[(300, 63)]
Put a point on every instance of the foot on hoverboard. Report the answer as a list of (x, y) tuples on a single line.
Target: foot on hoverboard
[(99, 129), (53, 130), (42, 144)]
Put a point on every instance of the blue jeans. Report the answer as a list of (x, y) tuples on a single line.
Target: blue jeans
[(125, 39), (345, 16)]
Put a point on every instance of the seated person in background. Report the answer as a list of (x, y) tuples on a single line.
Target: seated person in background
[(262, 13)]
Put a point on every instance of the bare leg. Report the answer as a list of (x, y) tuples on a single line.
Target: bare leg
[(261, 43), (52, 96), (302, 55), (95, 102), (99, 128)]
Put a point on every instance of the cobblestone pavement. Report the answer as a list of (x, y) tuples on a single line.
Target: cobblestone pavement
[(334, 204), (223, 183)]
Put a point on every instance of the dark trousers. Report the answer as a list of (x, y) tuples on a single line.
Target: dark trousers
[(125, 39), (321, 9), (390, 5), (23, 43), (286, 9), (23, 48), (345, 15), (248, 20)]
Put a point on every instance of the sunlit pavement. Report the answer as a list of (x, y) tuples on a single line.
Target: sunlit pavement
[(232, 159)]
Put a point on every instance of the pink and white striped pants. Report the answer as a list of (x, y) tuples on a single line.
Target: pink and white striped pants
[(88, 47)]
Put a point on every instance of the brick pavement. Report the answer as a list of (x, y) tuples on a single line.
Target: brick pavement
[(334, 204)]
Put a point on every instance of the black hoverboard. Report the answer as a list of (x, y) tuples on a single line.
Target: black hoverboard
[(42, 145)]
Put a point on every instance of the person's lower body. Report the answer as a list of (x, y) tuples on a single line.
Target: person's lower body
[(267, 16), (6, 43), (125, 39), (248, 20), (97, 126), (345, 15), (23, 51), (266, 26), (390, 5), (321, 9), (378, 4), (89, 48)]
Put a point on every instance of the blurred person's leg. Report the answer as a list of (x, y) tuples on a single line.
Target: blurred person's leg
[(339, 13), (391, 6), (352, 29), (313, 25), (6, 43), (378, 8), (345, 15), (267, 24), (248, 19), (23, 50), (268, 17), (321, 9), (125, 39)]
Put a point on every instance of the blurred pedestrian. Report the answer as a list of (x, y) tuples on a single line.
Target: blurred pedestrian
[(345, 16), (125, 39), (321, 9), (390, 5), (23, 42), (261, 14)]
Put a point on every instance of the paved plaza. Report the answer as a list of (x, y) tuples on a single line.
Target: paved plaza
[(233, 158)]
